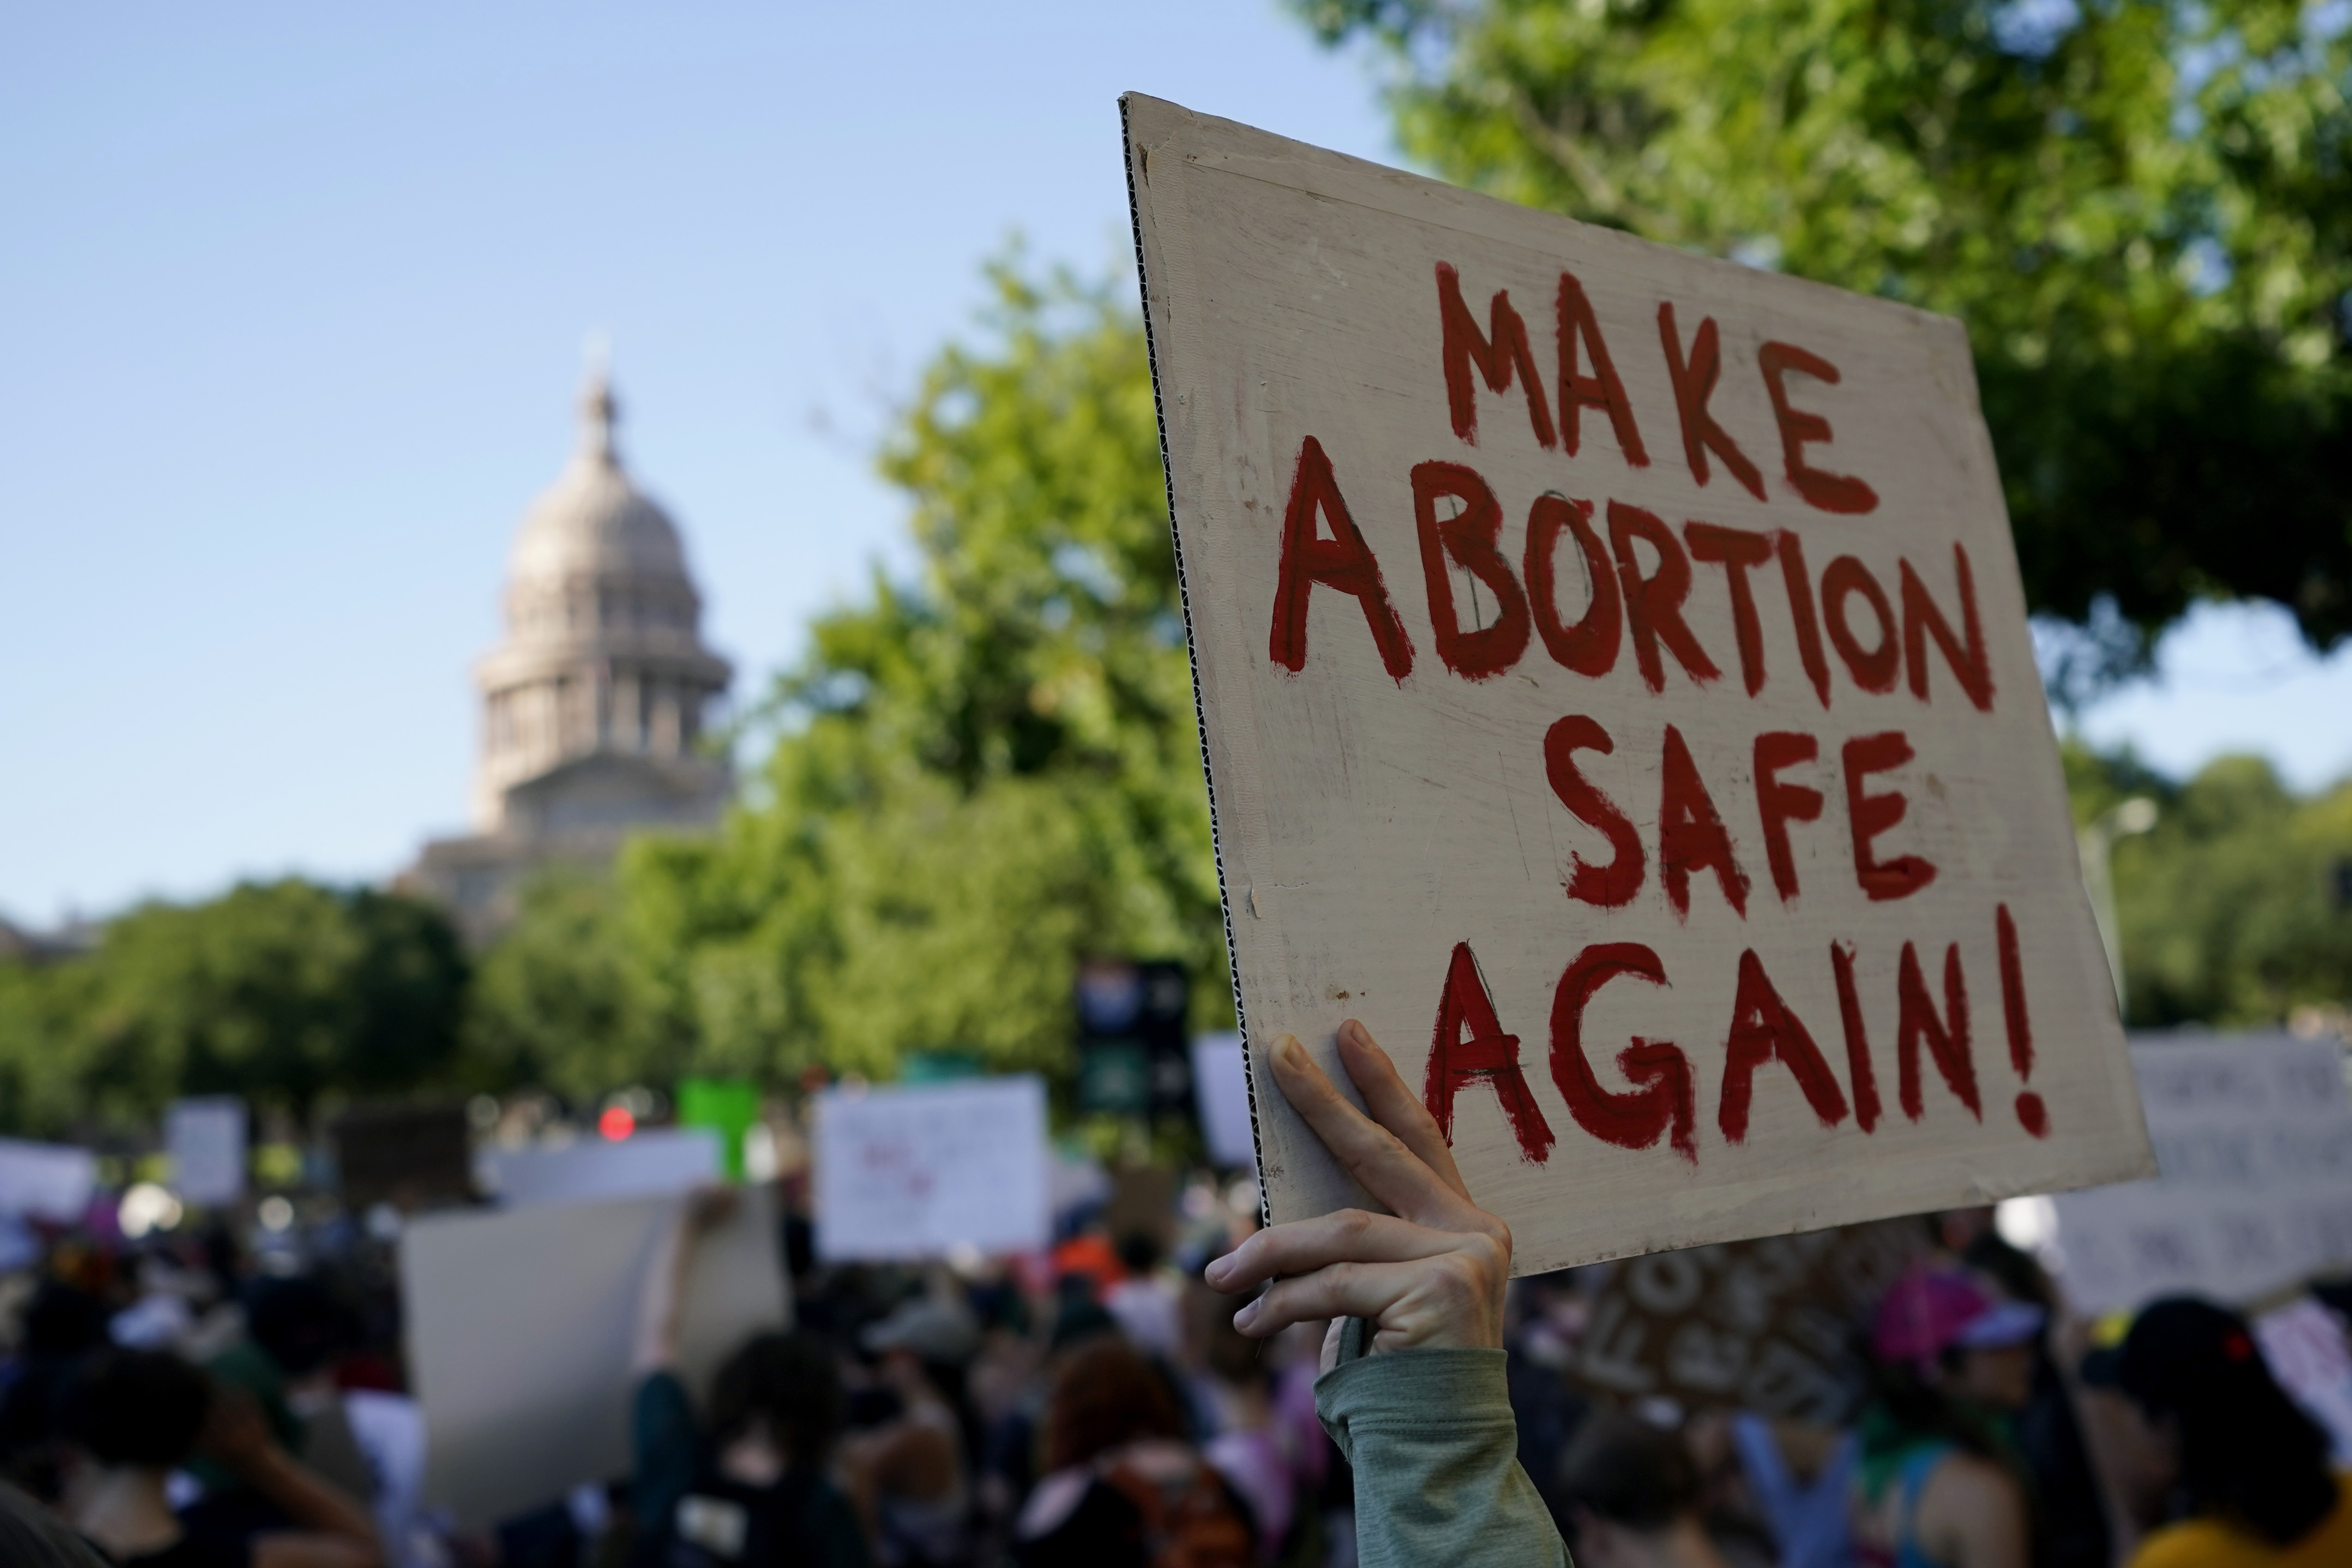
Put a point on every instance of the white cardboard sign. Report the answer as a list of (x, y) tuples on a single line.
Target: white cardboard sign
[(46, 1181), (1617, 695), (521, 1326), (643, 1164), (914, 1172), (206, 1140), (1221, 1088), (2253, 1137)]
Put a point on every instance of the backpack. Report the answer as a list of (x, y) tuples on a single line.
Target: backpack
[(1191, 1523)]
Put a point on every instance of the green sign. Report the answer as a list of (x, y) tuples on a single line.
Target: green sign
[(730, 1106)]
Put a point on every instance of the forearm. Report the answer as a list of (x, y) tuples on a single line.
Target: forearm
[(308, 1499), (657, 1301), (1434, 1447)]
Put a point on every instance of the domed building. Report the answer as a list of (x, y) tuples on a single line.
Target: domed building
[(595, 706)]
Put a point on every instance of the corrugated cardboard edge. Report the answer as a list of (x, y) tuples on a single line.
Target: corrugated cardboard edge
[(1137, 182)]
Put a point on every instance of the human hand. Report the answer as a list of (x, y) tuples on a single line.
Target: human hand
[(1430, 1275), (708, 1207)]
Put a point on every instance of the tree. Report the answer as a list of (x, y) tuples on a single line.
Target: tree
[(2142, 211), (561, 999), (278, 991), (2228, 911), (983, 776)]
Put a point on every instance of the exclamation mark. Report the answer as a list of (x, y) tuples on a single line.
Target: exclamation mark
[(2031, 1114)]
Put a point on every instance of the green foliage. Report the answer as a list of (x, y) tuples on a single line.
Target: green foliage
[(2142, 211), (560, 1000), (2227, 908), (279, 991), (983, 776)]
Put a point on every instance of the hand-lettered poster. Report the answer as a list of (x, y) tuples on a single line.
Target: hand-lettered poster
[(2254, 1141), (1616, 693)]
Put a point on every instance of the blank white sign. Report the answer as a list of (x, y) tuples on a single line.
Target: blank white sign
[(207, 1141), (914, 1172), (521, 1326), (658, 1160), (47, 1181), (1221, 1087)]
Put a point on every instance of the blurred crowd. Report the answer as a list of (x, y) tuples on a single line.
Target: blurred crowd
[(187, 1401)]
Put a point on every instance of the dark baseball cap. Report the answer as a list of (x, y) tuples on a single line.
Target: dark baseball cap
[(2178, 1349)]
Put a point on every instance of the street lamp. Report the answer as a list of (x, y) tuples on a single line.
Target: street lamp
[(2097, 841)]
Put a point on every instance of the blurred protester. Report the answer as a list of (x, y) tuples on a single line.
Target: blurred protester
[(1632, 1498), (63, 1327), (1006, 1387), (2254, 1467), (747, 1487), (1800, 1477), (135, 1416), (1413, 1390), (304, 1329), (1234, 1415), (1146, 1304), (910, 1474), (1122, 1487), (1543, 1321), (1934, 1485), (2071, 1512)]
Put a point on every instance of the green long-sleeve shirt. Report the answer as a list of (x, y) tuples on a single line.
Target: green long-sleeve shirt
[(1434, 1447)]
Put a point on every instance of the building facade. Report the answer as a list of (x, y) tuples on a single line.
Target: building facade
[(594, 706)]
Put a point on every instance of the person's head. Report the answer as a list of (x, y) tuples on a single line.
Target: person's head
[(1626, 1485), (2243, 1451), (925, 1340), (1105, 1395), (62, 1321), (1138, 1252), (303, 1325), (139, 1409), (1943, 1329), (788, 1387)]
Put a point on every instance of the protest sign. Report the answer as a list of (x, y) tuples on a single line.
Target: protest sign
[(205, 1138), (912, 1173), (46, 1181), (1616, 692), (1773, 1325), (2302, 1343), (2253, 1137), (729, 1107), (656, 1160), (523, 1327), (1221, 1079), (411, 1157)]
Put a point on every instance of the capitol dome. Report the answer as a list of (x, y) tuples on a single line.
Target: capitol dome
[(603, 657), (595, 705), (592, 519)]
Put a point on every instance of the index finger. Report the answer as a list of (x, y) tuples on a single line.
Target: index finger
[(1381, 1163), (1394, 1105)]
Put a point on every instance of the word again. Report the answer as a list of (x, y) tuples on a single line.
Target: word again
[(1469, 1046)]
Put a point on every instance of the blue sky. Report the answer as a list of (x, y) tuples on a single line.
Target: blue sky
[(293, 302)]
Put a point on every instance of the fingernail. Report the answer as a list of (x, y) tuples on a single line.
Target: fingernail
[(1248, 1314), (1217, 1269), (1286, 1051)]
